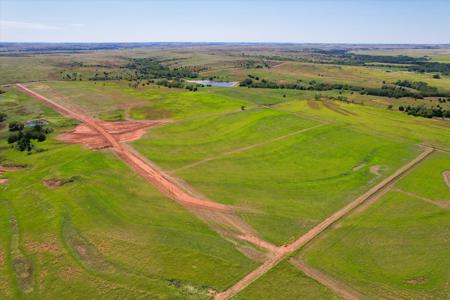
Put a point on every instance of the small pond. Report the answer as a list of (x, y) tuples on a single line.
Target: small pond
[(214, 83)]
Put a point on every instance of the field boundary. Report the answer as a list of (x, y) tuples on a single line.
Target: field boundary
[(245, 148), (339, 288), (286, 250)]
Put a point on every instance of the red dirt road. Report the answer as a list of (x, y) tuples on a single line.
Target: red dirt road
[(111, 135), (162, 181), (284, 251)]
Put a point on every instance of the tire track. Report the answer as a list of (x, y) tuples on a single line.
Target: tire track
[(163, 182), (245, 148), (286, 250)]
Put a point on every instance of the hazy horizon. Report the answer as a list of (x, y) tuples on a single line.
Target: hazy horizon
[(299, 22)]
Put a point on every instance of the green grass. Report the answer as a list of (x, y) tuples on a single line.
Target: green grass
[(427, 179), (377, 121), (108, 234), (398, 248), (288, 185), (285, 282), (182, 143), (109, 100)]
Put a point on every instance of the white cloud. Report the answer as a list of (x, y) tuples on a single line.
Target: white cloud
[(77, 25), (27, 26)]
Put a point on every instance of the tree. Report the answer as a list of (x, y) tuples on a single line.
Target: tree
[(3, 117), (15, 126)]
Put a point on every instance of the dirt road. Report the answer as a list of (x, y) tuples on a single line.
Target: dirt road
[(284, 251), (222, 217), (338, 287)]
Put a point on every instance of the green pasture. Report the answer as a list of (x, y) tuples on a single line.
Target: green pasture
[(107, 234)]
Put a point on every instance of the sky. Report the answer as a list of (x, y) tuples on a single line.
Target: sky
[(301, 21)]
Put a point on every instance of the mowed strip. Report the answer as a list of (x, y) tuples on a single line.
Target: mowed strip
[(284, 251)]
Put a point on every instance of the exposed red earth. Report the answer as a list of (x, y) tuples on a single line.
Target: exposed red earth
[(220, 217), (100, 134)]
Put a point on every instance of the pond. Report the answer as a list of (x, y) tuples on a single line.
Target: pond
[(215, 83), (35, 123)]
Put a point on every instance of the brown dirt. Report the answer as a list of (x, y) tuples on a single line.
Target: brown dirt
[(339, 288), (284, 251), (417, 280), (112, 136), (123, 131), (3, 180), (278, 65), (55, 182), (11, 167), (375, 170), (36, 247), (331, 105), (446, 176), (313, 104)]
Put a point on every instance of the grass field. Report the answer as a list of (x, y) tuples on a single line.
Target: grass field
[(282, 160), (107, 234), (112, 101), (285, 282), (398, 248)]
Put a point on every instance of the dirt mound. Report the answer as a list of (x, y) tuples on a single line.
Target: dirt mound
[(55, 182), (446, 175), (375, 169), (313, 104), (11, 167), (124, 131), (417, 280)]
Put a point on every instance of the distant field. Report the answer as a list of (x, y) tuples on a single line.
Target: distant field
[(355, 75), (398, 247), (114, 101), (278, 161), (439, 55)]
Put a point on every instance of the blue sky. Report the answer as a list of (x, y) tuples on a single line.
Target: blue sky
[(327, 21)]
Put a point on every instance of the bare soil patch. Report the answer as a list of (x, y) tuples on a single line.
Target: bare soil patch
[(42, 247), (375, 169), (11, 167), (313, 104), (446, 176), (55, 182), (3, 180), (331, 105), (417, 280), (123, 131)]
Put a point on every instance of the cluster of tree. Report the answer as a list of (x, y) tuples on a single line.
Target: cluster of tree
[(426, 112), (21, 137), (150, 68), (74, 76), (177, 83), (402, 88), (430, 67), (3, 117), (254, 64)]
